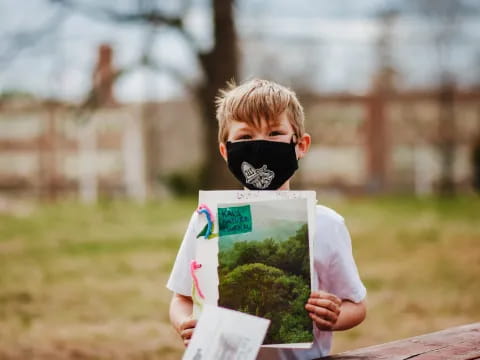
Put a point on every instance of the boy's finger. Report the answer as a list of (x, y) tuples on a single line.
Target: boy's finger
[(322, 324), (325, 304), (322, 312), (189, 324), (326, 295), (186, 334)]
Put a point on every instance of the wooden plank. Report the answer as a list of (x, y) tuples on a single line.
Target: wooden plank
[(458, 343), (106, 141)]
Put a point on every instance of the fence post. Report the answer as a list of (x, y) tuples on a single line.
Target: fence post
[(134, 159), (376, 141), (87, 156)]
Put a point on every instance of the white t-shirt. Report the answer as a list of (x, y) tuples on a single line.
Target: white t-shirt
[(334, 267)]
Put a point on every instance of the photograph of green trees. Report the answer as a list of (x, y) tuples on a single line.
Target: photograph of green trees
[(264, 265)]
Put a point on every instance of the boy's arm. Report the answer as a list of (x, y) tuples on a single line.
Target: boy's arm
[(330, 313), (181, 316), (351, 314)]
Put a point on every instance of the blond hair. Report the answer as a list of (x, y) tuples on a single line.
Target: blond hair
[(255, 101)]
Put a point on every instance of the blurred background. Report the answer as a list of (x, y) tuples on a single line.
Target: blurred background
[(108, 131)]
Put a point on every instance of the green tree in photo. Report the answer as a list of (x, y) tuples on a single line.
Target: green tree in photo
[(250, 252), (292, 324), (292, 255), (266, 291), (271, 279), (243, 288)]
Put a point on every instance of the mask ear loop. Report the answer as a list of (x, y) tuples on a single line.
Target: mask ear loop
[(295, 143), (296, 139)]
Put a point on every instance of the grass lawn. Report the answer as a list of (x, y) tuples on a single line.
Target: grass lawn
[(79, 282)]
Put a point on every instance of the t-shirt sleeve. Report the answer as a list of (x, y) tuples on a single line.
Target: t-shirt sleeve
[(344, 279), (180, 280)]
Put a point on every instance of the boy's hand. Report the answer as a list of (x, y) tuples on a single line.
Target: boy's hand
[(323, 309), (186, 330)]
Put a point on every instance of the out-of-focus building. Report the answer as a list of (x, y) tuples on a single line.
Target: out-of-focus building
[(379, 141), (341, 154), (40, 144)]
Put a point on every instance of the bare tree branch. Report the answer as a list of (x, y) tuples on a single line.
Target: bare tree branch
[(19, 41), (172, 71), (150, 16)]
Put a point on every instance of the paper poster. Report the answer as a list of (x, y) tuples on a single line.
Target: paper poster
[(256, 258), (264, 265), (225, 334)]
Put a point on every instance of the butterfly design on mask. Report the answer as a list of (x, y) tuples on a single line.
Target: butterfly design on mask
[(260, 178)]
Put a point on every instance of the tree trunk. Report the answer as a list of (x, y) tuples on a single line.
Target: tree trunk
[(219, 65)]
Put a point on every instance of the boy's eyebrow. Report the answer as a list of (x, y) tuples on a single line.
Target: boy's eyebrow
[(247, 126), (244, 126), (274, 124)]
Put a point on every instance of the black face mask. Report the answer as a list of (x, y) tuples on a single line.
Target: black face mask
[(262, 164)]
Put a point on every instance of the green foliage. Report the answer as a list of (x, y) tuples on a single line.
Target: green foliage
[(184, 182), (266, 291), (257, 279), (270, 279), (295, 329), (291, 255)]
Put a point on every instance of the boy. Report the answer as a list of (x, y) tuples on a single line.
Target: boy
[(262, 137)]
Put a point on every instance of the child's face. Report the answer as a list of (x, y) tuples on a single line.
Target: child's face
[(280, 130)]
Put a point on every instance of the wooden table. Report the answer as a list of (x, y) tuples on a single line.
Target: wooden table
[(458, 343)]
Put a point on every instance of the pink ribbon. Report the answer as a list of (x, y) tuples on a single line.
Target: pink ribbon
[(193, 267)]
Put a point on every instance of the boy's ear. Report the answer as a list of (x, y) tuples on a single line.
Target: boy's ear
[(303, 145), (223, 150)]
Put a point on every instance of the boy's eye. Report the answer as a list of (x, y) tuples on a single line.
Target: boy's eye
[(244, 137), (275, 133)]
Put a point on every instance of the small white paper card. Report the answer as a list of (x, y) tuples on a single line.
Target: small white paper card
[(226, 334)]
